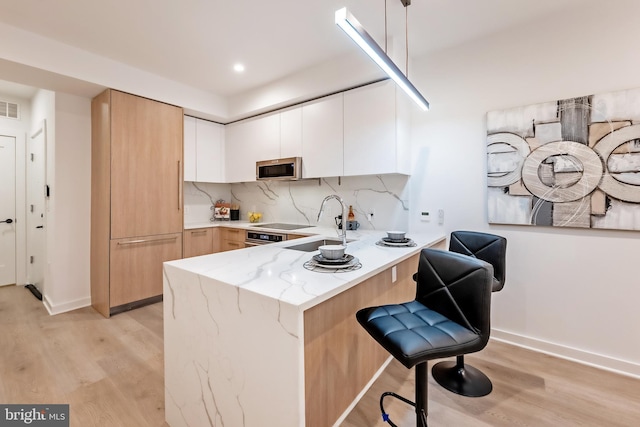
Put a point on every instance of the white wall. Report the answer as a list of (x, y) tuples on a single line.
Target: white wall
[(69, 229), (43, 108), (68, 210), (568, 291)]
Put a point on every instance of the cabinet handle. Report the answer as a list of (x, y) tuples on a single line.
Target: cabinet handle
[(133, 242), (179, 187), (198, 231)]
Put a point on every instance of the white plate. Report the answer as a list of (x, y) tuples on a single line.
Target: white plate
[(350, 264), (385, 243), (319, 259), (401, 241)]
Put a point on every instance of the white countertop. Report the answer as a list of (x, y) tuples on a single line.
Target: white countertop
[(273, 271)]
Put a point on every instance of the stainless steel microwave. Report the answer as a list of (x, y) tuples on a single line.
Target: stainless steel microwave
[(282, 169)]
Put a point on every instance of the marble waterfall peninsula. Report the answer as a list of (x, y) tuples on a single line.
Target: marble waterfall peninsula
[(253, 338)]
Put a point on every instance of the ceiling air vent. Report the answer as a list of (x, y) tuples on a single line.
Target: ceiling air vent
[(9, 110)]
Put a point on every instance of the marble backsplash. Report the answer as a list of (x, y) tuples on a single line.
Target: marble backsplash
[(299, 201)]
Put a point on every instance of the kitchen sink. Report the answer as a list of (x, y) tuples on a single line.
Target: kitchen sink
[(313, 246)]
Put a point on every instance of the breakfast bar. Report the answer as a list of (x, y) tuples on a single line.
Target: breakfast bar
[(255, 338)]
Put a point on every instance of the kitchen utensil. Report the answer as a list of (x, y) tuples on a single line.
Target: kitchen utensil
[(405, 244), (332, 251), (322, 260), (353, 225), (396, 236)]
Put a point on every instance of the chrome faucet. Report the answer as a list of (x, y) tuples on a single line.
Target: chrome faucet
[(344, 215)]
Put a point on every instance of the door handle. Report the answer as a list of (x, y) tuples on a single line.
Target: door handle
[(40, 226), (8, 221)]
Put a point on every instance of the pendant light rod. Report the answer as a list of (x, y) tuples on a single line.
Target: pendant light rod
[(350, 25)]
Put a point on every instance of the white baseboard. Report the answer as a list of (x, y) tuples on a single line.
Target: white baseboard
[(64, 307), (573, 354)]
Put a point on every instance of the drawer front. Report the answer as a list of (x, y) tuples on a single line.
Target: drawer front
[(136, 266), (230, 245), (233, 234), (198, 242)]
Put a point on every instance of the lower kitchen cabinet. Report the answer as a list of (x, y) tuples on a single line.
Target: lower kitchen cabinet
[(231, 238), (198, 241), (136, 267), (295, 236)]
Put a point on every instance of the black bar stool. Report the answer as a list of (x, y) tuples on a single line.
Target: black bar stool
[(458, 377), (449, 316)]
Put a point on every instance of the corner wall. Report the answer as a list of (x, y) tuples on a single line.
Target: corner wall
[(71, 225), (570, 292), (68, 209)]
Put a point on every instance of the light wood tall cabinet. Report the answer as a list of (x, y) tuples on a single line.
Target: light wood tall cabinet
[(136, 198)]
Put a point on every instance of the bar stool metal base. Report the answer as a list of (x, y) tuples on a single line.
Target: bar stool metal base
[(420, 404), (461, 379)]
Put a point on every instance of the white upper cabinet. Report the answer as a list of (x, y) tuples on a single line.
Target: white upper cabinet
[(376, 137), (291, 133), (203, 150), (250, 141), (210, 161), (189, 148), (322, 137), (363, 131)]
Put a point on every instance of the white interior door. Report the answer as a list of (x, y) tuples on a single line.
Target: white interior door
[(36, 208), (7, 210)]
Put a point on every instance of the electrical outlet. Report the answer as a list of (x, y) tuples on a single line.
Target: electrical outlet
[(394, 274), (370, 214), (440, 216)]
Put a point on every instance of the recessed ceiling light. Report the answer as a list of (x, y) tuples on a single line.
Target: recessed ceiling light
[(238, 68)]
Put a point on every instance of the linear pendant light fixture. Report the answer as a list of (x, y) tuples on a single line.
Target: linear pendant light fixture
[(356, 31)]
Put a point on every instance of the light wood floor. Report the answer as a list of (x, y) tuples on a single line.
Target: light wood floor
[(110, 371)]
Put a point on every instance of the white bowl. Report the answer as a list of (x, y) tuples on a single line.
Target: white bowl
[(332, 251), (396, 235)]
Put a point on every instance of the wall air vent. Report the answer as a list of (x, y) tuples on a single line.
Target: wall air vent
[(10, 110)]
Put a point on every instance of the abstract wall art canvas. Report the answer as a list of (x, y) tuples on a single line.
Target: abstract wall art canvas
[(566, 163)]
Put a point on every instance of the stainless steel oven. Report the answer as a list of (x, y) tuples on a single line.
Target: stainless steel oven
[(255, 238)]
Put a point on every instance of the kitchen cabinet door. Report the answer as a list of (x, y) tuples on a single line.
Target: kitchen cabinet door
[(231, 238), (198, 242), (210, 151), (250, 141), (146, 167), (136, 266), (190, 151), (203, 150), (373, 141), (291, 133), (322, 137)]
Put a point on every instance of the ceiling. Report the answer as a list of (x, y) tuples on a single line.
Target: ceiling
[(196, 42)]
